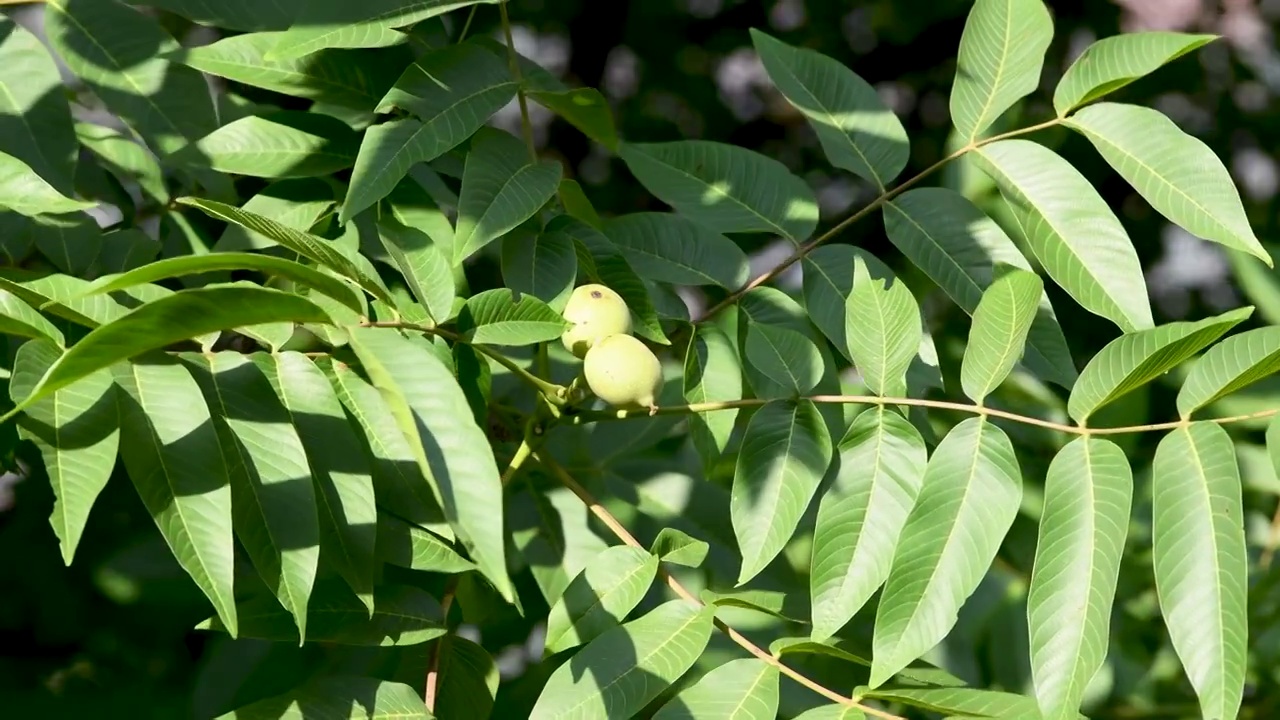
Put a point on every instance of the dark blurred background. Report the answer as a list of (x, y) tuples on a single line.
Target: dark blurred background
[(111, 635)]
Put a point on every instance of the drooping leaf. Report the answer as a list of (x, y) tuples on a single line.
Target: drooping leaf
[(196, 264), (602, 262), (1112, 62), (670, 248), (597, 600), (543, 265), (857, 131), (860, 517), (273, 501), (26, 193), (725, 187), (743, 689), (171, 453), (20, 319), (1201, 563), (971, 492), (679, 548), (882, 326), (331, 697), (35, 117), (116, 51), (402, 615), (1001, 323), (1088, 492), (629, 665), (280, 144), (497, 317), (1177, 173), (960, 248), (400, 543), (423, 264), (501, 188), (180, 316), (584, 108), (712, 373), (1001, 55), (785, 452), (312, 247), (1233, 364), (345, 500), (433, 413), (1133, 360), (1070, 228), (77, 432), (298, 203)]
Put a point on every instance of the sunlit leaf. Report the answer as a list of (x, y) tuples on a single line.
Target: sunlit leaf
[(1001, 323), (501, 188), (332, 697), (20, 319), (400, 543), (1112, 62), (298, 203), (1233, 364), (26, 193), (424, 265), (597, 600), (679, 548), (497, 317), (1001, 55), (743, 689), (338, 23), (281, 144), (712, 373), (882, 326), (35, 117)]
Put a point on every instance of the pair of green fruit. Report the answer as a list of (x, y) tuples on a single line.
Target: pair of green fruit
[(618, 368)]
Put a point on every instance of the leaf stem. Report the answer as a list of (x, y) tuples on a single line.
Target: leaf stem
[(605, 415), (862, 212), (512, 57), (433, 674), (743, 641), (466, 26)]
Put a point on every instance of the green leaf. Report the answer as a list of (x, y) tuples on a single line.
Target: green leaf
[(402, 615), (788, 359), (497, 317), (345, 501), (35, 117), (26, 193), (882, 325), (20, 319), (433, 413), (1178, 174), (1133, 360), (962, 702), (1113, 62), (583, 108), (999, 332), (960, 248), (725, 187), (116, 51), (170, 450), (125, 158), (298, 203), (785, 453), (679, 548), (125, 250), (544, 266), (860, 517), (453, 91), (1201, 563), (71, 242), (501, 188), (712, 373), (577, 204), (338, 23), (196, 264), (553, 533), (629, 665), (180, 316), (274, 505), (595, 601), (397, 479), (281, 144), (402, 544), (303, 40), (669, 248), (353, 79), (1088, 493), (1001, 55), (772, 602), (423, 264), (971, 492), (743, 689), (331, 697), (832, 712), (1072, 231), (468, 679), (602, 262), (77, 432), (317, 249), (1233, 364), (857, 131)]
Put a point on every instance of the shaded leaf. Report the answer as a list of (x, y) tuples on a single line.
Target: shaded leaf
[(125, 158), (543, 265), (679, 548), (424, 265), (597, 600), (400, 543), (583, 108), (280, 144), (787, 358), (501, 188), (602, 262), (743, 689), (332, 697), (341, 24), (669, 248), (298, 203), (712, 373), (71, 242), (35, 117)]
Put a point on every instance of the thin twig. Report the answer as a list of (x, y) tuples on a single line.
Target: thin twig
[(885, 197), (1273, 538), (433, 673), (743, 641), (466, 26), (513, 58), (604, 415)]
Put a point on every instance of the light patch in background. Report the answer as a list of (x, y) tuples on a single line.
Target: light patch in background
[(1189, 265), (787, 15), (738, 76)]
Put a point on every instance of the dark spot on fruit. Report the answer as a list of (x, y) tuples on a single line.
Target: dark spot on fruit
[(596, 294)]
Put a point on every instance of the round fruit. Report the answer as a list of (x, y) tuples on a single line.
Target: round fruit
[(623, 372), (596, 313)]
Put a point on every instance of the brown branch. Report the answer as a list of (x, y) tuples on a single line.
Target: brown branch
[(433, 673)]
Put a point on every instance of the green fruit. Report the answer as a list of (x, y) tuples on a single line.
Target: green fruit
[(596, 313), (623, 372)]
